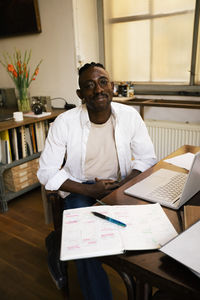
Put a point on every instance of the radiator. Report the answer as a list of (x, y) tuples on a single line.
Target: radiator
[(168, 136)]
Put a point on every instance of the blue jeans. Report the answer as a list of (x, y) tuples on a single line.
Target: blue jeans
[(93, 279)]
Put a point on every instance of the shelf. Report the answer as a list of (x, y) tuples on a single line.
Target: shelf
[(3, 167), (28, 120), (6, 195), (188, 104)]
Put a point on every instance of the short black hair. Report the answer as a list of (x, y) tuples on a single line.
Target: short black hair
[(89, 65)]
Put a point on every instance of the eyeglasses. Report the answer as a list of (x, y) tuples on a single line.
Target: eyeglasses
[(91, 85)]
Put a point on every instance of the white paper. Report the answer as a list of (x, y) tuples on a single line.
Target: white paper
[(32, 115), (185, 248), (85, 235), (183, 161)]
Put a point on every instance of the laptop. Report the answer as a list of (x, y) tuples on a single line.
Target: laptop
[(6, 117), (169, 188)]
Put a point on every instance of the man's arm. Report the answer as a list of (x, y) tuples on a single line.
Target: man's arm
[(133, 174), (97, 190)]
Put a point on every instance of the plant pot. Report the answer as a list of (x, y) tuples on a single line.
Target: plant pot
[(23, 100)]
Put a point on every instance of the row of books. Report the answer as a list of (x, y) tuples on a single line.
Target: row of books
[(23, 141)]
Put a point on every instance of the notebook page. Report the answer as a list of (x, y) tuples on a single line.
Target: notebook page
[(148, 227), (85, 235)]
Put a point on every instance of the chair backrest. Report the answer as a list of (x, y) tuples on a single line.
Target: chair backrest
[(57, 209)]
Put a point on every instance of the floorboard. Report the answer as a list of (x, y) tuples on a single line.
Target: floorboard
[(23, 266)]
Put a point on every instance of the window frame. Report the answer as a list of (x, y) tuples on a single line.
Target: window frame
[(192, 88)]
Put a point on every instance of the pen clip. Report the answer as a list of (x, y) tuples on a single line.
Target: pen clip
[(101, 202)]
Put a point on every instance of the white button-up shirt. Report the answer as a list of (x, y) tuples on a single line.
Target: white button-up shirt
[(68, 136)]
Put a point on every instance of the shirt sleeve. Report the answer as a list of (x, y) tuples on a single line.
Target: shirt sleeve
[(142, 147), (50, 173)]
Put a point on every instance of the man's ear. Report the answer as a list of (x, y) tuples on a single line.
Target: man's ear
[(78, 92)]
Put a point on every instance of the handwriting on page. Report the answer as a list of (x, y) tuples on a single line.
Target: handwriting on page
[(85, 231), (146, 228)]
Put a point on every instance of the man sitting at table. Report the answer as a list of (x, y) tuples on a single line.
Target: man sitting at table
[(104, 144)]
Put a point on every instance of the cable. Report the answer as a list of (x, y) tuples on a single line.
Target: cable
[(67, 106)]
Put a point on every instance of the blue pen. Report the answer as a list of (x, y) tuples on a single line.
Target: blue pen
[(108, 219)]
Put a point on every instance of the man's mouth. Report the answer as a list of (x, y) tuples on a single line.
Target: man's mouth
[(100, 97)]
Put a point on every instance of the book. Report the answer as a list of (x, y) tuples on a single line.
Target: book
[(38, 136), (32, 115), (85, 235), (33, 139), (10, 132), (23, 142), (15, 145), (191, 215), (3, 151), (185, 248), (5, 140), (19, 142), (29, 146)]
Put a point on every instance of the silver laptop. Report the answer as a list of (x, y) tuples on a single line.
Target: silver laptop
[(169, 188)]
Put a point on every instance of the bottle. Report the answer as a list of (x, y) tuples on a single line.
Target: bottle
[(131, 90)]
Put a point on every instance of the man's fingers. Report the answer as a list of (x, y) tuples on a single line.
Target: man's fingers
[(112, 186)]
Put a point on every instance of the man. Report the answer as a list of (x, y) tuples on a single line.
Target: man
[(104, 145)]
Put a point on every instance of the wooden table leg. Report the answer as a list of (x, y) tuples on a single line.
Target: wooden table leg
[(129, 283), (143, 290)]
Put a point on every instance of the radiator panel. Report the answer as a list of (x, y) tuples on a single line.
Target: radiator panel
[(168, 136)]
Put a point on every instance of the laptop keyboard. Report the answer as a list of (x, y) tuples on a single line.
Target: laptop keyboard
[(171, 191)]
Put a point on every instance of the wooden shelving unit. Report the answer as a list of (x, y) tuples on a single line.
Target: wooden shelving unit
[(6, 195), (142, 103)]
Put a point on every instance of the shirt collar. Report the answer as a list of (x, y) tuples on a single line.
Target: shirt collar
[(85, 117)]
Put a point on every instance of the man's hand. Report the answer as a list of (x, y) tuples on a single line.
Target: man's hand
[(102, 187)]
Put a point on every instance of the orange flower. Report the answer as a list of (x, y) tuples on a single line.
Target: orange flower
[(10, 68), (36, 71), (19, 64), (17, 68), (14, 73)]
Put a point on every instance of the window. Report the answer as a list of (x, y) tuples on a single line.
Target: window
[(153, 43)]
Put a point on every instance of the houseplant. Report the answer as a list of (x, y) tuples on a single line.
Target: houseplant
[(18, 69)]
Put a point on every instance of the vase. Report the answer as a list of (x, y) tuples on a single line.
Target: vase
[(23, 100)]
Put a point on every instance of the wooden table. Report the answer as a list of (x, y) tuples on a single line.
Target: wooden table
[(153, 268)]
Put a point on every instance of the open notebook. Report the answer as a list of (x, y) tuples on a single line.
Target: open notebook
[(167, 187), (85, 235)]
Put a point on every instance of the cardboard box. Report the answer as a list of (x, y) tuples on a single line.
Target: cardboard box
[(22, 176)]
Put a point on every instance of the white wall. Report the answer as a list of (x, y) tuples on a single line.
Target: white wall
[(56, 46), (86, 31)]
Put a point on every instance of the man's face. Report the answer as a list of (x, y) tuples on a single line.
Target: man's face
[(96, 90)]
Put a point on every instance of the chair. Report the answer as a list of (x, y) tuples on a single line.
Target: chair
[(57, 268)]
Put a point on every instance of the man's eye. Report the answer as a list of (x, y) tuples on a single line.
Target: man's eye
[(90, 85), (103, 82)]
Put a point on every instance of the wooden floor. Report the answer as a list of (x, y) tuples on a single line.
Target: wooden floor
[(23, 268)]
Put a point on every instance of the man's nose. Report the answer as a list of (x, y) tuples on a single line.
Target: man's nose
[(98, 88)]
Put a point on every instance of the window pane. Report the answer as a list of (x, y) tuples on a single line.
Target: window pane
[(128, 53), (153, 50), (122, 8), (172, 44), (160, 6)]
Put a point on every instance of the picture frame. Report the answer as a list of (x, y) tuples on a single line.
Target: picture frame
[(19, 17)]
